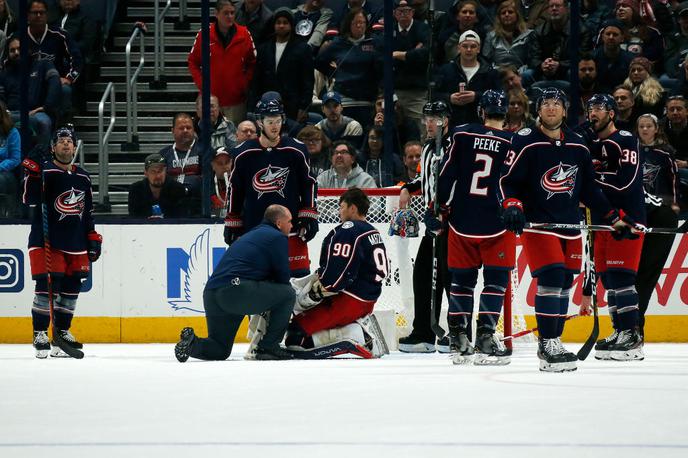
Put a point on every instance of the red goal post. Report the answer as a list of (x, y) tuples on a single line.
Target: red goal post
[(396, 299)]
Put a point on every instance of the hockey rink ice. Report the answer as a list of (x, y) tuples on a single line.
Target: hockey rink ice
[(138, 401)]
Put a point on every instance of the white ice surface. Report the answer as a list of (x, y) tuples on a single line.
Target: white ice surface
[(137, 400)]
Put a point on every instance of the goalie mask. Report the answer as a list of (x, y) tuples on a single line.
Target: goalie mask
[(404, 223)]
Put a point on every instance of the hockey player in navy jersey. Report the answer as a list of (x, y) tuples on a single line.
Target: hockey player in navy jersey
[(336, 302), (273, 169), (64, 190), (619, 173), (550, 173), (477, 238)]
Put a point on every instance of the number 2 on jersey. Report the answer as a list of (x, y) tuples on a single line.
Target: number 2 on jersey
[(476, 190)]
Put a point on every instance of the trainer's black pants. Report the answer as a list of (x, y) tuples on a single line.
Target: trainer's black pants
[(422, 285), (226, 307), (656, 248)]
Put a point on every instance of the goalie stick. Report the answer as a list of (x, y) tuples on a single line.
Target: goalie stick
[(682, 229), (592, 275)]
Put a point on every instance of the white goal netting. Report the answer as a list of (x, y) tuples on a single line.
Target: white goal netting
[(397, 289)]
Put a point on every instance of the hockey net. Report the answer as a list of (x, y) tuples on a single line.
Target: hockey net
[(397, 289)]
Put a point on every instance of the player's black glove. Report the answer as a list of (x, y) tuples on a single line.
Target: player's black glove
[(234, 228), (307, 224), (95, 242), (433, 224), (513, 217), (621, 232)]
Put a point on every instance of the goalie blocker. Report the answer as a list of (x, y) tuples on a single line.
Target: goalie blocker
[(334, 305)]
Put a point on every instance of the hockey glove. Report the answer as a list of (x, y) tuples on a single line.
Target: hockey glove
[(307, 224), (513, 217), (95, 242), (234, 228), (433, 224), (32, 168), (318, 292), (616, 219)]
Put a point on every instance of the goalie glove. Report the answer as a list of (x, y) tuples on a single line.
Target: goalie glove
[(318, 292)]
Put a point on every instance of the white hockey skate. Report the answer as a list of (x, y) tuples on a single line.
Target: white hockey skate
[(554, 357), (41, 343), (628, 346)]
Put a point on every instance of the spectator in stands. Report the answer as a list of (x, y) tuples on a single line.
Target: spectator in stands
[(10, 156), (224, 133), (612, 62), (405, 129), (44, 91), (7, 26), (510, 41), (256, 17), (371, 11), (677, 44), (675, 126), (285, 64), (649, 94), (353, 63), (518, 115), (410, 54), (157, 188), (318, 146), (509, 77), (535, 12), (182, 157), (627, 113), (56, 45), (461, 17), (222, 166), (639, 39), (345, 172), (337, 126), (412, 153), (682, 86), (233, 58), (462, 82), (246, 130), (594, 13), (385, 167), (312, 21), (550, 60), (659, 167), (587, 79)]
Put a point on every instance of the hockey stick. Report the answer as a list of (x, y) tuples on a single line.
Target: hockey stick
[(531, 330), (64, 346), (587, 346), (682, 229), (434, 325)]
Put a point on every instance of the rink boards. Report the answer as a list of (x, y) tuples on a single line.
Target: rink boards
[(148, 285)]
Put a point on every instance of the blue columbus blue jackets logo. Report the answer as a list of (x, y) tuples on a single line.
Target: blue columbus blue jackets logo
[(71, 203), (559, 179), (270, 179)]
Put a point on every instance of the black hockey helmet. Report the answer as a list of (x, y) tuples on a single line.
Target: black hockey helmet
[(438, 108), (493, 103), (65, 131), (606, 100), (270, 104), (552, 93)]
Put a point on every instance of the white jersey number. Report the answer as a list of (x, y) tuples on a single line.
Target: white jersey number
[(341, 249), (380, 263), (476, 190)]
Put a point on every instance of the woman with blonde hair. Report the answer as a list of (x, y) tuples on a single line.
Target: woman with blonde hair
[(518, 115), (649, 93)]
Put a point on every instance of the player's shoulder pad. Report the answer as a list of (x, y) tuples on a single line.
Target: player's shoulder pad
[(525, 131)]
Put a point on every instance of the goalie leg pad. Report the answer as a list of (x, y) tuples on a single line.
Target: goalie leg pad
[(257, 326), (375, 339), (352, 332)]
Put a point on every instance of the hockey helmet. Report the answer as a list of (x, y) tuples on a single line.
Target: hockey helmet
[(270, 104), (404, 223), (438, 108), (552, 93), (605, 100), (493, 103), (64, 131)]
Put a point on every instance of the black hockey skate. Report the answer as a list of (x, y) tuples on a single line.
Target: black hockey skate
[(602, 346), (489, 350), (414, 344), (627, 347), (41, 343), (444, 345), (273, 354), (64, 344), (187, 339), (462, 349), (554, 357)]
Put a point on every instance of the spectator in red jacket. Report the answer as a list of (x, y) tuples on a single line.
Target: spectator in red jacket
[(233, 57)]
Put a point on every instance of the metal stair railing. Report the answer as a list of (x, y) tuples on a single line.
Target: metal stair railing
[(103, 147), (183, 23), (132, 143), (159, 79)]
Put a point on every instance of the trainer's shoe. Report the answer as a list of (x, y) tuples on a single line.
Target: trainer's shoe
[(414, 344), (272, 354), (554, 357), (443, 345), (628, 346), (187, 339), (462, 349), (602, 346), (67, 337), (490, 351), (41, 343)]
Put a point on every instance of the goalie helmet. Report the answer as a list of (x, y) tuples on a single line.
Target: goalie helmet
[(404, 223)]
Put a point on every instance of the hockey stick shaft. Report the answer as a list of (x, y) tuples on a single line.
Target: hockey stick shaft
[(47, 250), (683, 228), (434, 306), (594, 334), (525, 332)]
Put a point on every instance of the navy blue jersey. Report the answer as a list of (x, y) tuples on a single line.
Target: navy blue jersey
[(660, 174), (551, 177), (620, 175), (470, 176), (353, 260), (70, 208), (264, 176)]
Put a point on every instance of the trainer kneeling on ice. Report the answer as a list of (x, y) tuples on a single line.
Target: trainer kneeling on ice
[(333, 311), (251, 278)]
